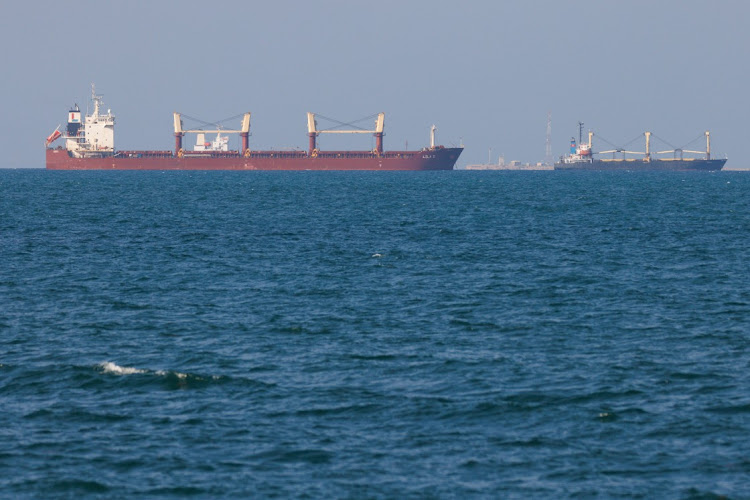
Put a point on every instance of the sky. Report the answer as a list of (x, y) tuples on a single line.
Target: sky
[(485, 72)]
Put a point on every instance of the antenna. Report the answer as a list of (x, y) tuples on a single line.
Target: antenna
[(580, 132), (97, 99), (548, 150)]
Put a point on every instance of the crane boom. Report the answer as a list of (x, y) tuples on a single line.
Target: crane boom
[(245, 127), (312, 126)]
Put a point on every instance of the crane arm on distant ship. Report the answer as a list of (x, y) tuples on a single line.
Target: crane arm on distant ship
[(345, 132), (313, 132), (216, 131), (312, 126), (245, 127), (621, 151), (380, 123)]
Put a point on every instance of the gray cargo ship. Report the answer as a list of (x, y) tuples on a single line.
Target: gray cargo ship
[(581, 157)]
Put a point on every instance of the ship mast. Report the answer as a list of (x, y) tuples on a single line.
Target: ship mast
[(96, 98), (580, 132)]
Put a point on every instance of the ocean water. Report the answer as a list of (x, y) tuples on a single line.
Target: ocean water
[(374, 335)]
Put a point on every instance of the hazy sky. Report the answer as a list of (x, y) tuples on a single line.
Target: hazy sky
[(485, 72)]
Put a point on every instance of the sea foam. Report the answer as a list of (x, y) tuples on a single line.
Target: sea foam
[(109, 367)]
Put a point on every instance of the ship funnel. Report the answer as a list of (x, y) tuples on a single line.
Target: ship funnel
[(74, 121)]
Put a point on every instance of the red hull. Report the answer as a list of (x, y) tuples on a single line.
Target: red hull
[(436, 159)]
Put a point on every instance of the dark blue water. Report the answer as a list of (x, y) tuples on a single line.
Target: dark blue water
[(374, 335)]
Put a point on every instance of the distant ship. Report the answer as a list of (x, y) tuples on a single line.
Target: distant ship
[(89, 145), (511, 165), (581, 157)]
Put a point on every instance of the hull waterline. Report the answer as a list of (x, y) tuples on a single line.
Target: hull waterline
[(642, 165)]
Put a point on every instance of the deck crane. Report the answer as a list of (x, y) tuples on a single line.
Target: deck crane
[(179, 133)]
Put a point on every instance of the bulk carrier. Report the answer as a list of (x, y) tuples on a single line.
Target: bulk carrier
[(89, 144), (581, 157)]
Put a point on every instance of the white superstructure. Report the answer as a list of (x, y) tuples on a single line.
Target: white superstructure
[(97, 136), (581, 152), (221, 143)]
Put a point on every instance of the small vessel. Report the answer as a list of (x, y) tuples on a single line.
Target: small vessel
[(89, 144), (581, 157), (511, 165)]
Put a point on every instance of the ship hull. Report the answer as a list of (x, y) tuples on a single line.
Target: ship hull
[(434, 159), (642, 165)]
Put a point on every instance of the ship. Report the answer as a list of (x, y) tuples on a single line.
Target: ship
[(581, 157), (89, 144), (511, 165)]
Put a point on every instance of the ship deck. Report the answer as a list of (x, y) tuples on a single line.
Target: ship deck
[(264, 154)]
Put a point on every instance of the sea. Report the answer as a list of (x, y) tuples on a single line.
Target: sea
[(462, 334)]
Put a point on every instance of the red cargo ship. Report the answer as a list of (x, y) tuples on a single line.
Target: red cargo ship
[(89, 145)]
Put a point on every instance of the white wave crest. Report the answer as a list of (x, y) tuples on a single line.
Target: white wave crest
[(163, 373), (109, 367)]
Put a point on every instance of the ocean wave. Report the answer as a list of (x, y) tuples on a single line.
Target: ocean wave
[(172, 378), (109, 367), (165, 373)]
